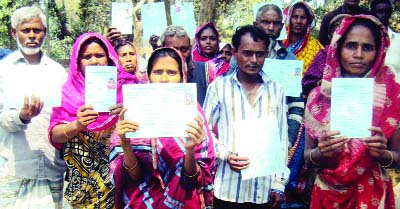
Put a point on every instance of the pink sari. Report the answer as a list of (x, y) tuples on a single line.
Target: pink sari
[(73, 92), (164, 185), (358, 182)]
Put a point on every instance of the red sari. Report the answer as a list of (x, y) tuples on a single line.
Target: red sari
[(358, 181)]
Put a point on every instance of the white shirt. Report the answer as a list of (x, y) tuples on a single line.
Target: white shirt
[(392, 55), (26, 147), (225, 103)]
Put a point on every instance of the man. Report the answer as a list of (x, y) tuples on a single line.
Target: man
[(245, 95), (270, 19), (177, 37), (31, 170), (350, 7)]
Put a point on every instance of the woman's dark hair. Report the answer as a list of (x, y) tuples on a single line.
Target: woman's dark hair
[(302, 6), (98, 41), (374, 28), (164, 52), (120, 43)]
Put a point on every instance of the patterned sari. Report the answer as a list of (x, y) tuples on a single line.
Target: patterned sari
[(307, 47), (164, 185), (358, 181), (86, 155)]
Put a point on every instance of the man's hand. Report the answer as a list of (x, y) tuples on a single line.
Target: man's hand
[(238, 163), (275, 199), (30, 109)]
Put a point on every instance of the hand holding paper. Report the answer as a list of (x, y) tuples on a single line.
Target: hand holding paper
[(330, 146), (376, 144), (238, 163), (125, 126), (195, 132), (85, 116), (31, 108)]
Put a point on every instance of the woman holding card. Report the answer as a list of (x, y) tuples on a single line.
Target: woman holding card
[(350, 171), (81, 133), (168, 172)]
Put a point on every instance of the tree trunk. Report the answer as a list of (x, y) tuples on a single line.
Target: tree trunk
[(207, 11), (167, 4)]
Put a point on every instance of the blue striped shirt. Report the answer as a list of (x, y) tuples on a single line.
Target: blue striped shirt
[(226, 101)]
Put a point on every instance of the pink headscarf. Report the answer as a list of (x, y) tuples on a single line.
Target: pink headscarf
[(73, 92), (219, 66)]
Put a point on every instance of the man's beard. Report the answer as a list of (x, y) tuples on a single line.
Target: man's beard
[(28, 50)]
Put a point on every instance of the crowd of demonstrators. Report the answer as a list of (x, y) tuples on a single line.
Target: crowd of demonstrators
[(182, 176), (76, 157), (31, 172)]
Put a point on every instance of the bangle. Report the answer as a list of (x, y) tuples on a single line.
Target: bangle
[(391, 160), (311, 160), (131, 168), (195, 174), (65, 132)]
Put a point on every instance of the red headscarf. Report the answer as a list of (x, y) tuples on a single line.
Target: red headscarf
[(386, 116), (288, 14)]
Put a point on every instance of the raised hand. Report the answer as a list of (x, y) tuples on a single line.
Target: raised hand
[(125, 126), (85, 116), (195, 132), (115, 109), (30, 109)]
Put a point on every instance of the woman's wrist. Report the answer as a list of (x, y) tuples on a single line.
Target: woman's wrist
[(387, 159)]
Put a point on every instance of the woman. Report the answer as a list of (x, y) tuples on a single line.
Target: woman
[(351, 172), (163, 172), (206, 49), (127, 56), (300, 19), (83, 134)]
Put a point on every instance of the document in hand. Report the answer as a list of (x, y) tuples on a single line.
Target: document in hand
[(121, 16), (287, 73), (264, 149), (351, 106), (18, 81), (101, 87), (162, 110)]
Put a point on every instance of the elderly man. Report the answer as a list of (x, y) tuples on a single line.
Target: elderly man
[(31, 170), (270, 19), (243, 99)]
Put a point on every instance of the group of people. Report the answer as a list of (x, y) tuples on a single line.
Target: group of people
[(75, 157)]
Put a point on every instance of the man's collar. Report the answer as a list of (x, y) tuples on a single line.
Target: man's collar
[(264, 76), (18, 57)]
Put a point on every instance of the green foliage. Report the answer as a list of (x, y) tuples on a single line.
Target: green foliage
[(94, 16), (7, 7)]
